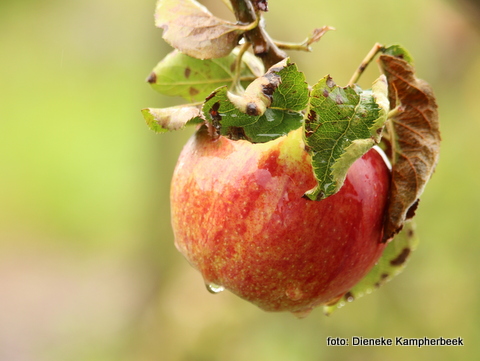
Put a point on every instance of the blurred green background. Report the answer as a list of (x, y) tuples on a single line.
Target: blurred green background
[(88, 269)]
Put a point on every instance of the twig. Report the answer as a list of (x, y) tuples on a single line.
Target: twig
[(236, 86), (262, 45), (363, 65), (305, 45)]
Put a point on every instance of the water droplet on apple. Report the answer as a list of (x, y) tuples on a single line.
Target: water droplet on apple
[(302, 313), (213, 288)]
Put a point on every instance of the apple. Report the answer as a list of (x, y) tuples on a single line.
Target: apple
[(240, 218)]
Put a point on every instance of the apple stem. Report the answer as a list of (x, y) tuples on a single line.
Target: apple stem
[(262, 45), (236, 85)]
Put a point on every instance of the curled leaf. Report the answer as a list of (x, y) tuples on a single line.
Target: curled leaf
[(193, 79), (189, 27), (270, 107), (392, 262), (162, 120), (412, 137), (341, 124), (317, 34)]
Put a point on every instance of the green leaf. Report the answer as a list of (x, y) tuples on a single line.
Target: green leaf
[(189, 27), (174, 118), (273, 124), (392, 262), (398, 51), (193, 79), (270, 107), (341, 124)]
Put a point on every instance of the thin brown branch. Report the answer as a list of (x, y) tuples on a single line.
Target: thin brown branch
[(262, 45), (363, 65)]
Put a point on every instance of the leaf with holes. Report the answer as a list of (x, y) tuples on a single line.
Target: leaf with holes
[(341, 124), (412, 136)]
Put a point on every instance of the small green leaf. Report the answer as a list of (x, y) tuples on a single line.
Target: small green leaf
[(193, 79), (341, 124), (392, 262), (189, 27), (174, 118), (270, 107), (398, 51)]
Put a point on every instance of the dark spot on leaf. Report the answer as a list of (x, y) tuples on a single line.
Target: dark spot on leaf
[(349, 296), (236, 133), (330, 83), (325, 93), (273, 80), (192, 91), (410, 233), (401, 258), (268, 90), (152, 78), (339, 99), (383, 277), (215, 116), (252, 109), (211, 96), (312, 115), (187, 72), (412, 209)]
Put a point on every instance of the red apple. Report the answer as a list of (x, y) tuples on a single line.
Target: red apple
[(239, 217)]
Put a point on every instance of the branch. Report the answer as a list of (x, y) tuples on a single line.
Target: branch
[(262, 45)]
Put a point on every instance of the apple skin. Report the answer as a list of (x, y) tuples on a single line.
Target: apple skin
[(239, 217)]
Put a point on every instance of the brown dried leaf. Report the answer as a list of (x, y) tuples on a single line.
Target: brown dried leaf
[(317, 34), (412, 138), (189, 27)]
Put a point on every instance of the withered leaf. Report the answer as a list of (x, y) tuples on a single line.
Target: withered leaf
[(189, 27), (317, 34), (412, 138)]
